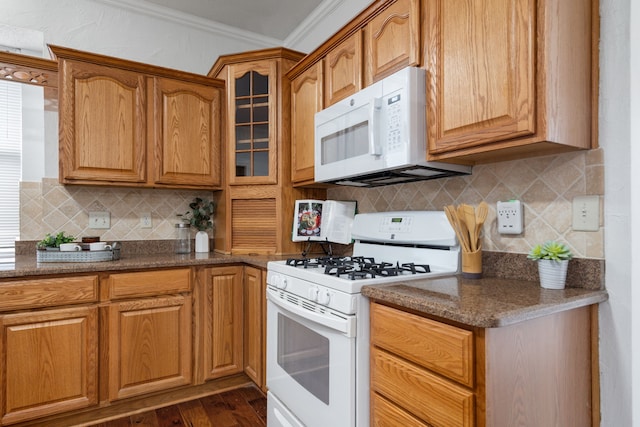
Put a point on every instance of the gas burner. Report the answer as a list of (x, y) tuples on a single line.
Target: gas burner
[(416, 268)]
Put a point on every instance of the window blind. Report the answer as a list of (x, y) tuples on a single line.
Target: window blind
[(10, 165)]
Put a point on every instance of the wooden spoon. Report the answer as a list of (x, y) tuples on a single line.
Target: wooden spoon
[(481, 215), (464, 230), (470, 219), (452, 216)]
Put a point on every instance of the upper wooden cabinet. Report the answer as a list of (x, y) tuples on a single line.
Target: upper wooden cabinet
[(103, 125), (187, 120), (508, 78), (381, 40), (130, 124), (392, 40), (252, 128), (255, 207), (386, 39), (306, 101), (343, 69)]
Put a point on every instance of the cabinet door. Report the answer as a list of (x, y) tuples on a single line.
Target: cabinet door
[(252, 121), (481, 72), (186, 119), (392, 40), (223, 322), (255, 301), (343, 70), (102, 124), (49, 362), (149, 345), (306, 101)]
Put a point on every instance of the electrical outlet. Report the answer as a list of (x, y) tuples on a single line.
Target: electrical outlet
[(586, 213), (145, 220), (99, 219), (509, 216)]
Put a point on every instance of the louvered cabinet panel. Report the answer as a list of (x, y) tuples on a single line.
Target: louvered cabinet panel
[(253, 224)]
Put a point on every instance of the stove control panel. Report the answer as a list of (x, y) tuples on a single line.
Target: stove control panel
[(396, 224), (413, 227)]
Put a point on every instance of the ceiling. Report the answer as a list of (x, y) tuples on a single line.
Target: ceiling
[(271, 18)]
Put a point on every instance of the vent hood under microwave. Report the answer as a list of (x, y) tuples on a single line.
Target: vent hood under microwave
[(378, 136)]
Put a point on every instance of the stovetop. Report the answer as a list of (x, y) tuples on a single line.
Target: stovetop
[(389, 247), (358, 267)]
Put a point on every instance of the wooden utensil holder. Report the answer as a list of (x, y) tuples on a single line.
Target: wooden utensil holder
[(472, 264)]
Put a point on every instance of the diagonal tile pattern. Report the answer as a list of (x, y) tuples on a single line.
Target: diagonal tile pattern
[(48, 207), (546, 186)]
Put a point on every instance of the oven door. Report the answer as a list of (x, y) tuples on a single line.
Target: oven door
[(310, 363)]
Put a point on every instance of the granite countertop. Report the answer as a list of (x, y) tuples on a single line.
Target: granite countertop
[(508, 293), (487, 303), (27, 265)]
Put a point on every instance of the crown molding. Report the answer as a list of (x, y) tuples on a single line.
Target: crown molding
[(315, 18), (161, 12)]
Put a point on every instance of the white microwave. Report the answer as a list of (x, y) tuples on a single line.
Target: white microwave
[(378, 135)]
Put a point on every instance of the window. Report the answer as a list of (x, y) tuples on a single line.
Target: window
[(10, 166)]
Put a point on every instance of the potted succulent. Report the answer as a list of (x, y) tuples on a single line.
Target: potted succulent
[(553, 259), (201, 218), (53, 242)]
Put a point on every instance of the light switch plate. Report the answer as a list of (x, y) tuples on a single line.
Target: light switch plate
[(509, 215), (101, 219), (145, 220), (586, 213)]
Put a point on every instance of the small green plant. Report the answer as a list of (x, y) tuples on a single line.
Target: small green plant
[(550, 250), (201, 214), (50, 241)]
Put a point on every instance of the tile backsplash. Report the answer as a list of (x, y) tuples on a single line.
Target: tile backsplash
[(545, 185), (49, 207)]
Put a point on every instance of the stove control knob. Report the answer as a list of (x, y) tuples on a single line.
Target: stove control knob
[(313, 293), (281, 283), (324, 297)]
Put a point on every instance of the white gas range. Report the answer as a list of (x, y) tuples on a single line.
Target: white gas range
[(317, 320)]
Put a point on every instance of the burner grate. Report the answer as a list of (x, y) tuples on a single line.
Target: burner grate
[(358, 267)]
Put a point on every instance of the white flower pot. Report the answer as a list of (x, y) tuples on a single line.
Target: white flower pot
[(552, 273), (202, 241)]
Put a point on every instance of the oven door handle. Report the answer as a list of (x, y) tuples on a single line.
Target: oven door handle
[(346, 326)]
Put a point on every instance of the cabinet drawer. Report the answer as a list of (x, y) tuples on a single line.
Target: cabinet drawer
[(146, 283), (386, 414), (21, 294), (427, 396), (442, 348)]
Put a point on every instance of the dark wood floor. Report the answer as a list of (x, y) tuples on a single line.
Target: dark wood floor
[(242, 407)]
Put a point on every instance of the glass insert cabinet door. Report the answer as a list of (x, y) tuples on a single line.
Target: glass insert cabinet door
[(252, 156)]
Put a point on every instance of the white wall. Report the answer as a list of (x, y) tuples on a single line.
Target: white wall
[(634, 349), (619, 388)]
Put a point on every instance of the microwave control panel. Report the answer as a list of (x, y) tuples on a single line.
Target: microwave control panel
[(394, 122)]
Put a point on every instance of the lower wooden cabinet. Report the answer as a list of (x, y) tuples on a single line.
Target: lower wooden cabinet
[(533, 373), (423, 366), (49, 362), (149, 345), (222, 321), (107, 339), (255, 312)]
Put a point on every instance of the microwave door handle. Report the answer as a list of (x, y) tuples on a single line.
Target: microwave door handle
[(374, 111)]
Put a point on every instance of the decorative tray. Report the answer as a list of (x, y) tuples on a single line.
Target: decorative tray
[(77, 256)]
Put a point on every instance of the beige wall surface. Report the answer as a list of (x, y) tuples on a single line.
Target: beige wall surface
[(545, 185)]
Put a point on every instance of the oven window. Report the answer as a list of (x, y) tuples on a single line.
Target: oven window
[(344, 144), (304, 354)]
